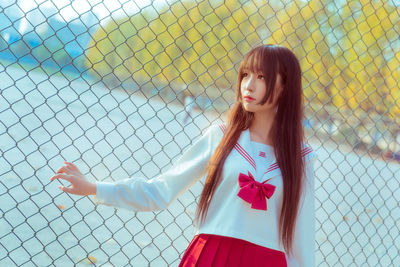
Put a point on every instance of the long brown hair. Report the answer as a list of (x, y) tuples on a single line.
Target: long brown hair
[(287, 132)]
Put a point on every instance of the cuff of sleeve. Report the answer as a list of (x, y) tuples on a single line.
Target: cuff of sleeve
[(104, 192)]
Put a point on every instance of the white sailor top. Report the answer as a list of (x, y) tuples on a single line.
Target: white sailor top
[(228, 214)]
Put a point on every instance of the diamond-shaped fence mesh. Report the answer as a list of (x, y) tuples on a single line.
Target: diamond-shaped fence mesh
[(121, 88)]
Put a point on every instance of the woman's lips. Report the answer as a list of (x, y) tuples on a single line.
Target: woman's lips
[(248, 99)]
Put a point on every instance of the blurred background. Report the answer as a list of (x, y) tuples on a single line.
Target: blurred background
[(122, 88)]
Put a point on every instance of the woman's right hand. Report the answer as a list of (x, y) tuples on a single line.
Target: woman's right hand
[(79, 183)]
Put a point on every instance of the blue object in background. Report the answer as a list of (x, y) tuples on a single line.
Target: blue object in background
[(307, 124)]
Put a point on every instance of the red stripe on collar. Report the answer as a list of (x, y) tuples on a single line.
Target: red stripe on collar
[(275, 166), (240, 149)]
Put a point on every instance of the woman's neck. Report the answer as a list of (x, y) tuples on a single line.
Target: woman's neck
[(260, 128)]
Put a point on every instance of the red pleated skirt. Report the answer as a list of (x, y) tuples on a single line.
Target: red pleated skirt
[(207, 250)]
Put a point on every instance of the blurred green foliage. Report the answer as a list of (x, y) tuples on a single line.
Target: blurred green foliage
[(349, 50)]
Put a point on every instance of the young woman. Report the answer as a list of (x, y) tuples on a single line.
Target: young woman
[(257, 205)]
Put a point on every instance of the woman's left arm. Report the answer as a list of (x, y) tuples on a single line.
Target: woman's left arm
[(304, 236)]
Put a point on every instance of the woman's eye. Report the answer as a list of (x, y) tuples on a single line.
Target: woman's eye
[(244, 75), (261, 77)]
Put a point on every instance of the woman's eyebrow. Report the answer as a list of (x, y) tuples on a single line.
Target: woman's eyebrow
[(258, 72)]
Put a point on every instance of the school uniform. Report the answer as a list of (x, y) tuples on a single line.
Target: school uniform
[(241, 226)]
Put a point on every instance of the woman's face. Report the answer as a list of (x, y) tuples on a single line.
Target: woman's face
[(253, 89)]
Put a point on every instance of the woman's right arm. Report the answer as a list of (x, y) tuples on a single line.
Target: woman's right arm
[(141, 194)]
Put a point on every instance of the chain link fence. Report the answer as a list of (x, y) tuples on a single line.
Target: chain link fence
[(122, 88)]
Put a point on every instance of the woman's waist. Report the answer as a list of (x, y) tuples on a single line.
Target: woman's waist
[(263, 237)]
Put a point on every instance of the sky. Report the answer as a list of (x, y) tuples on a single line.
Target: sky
[(71, 9)]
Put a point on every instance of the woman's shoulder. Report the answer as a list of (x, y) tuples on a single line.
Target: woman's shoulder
[(216, 129)]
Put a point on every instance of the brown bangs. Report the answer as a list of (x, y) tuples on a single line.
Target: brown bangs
[(253, 62), (261, 59)]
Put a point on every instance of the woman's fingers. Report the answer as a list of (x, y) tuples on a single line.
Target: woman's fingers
[(71, 166), (62, 169), (61, 176), (66, 189)]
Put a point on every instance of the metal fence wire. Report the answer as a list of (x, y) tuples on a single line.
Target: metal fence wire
[(103, 84)]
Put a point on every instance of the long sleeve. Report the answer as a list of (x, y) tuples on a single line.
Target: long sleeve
[(304, 236), (140, 194)]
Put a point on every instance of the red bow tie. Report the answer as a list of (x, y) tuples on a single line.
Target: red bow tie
[(254, 192)]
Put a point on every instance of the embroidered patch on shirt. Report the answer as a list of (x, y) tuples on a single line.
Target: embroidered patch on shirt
[(262, 154)]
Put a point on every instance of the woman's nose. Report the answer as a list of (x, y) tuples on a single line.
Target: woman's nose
[(249, 84)]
